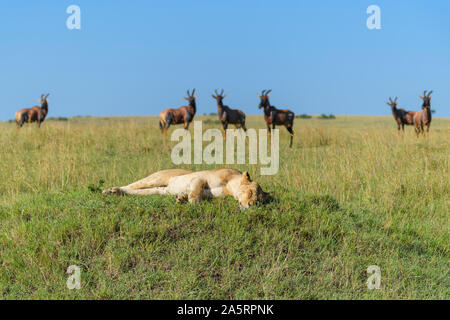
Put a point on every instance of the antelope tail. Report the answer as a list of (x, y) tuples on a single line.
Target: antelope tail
[(20, 118), (162, 121)]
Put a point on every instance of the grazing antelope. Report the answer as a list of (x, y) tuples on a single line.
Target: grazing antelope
[(401, 116), (184, 114), (423, 118), (274, 116), (34, 114), (228, 115)]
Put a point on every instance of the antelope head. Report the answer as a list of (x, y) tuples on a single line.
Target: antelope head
[(44, 100), (191, 98), (264, 99), (392, 103), (219, 97), (426, 99)]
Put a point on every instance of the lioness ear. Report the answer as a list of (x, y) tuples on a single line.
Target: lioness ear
[(245, 178)]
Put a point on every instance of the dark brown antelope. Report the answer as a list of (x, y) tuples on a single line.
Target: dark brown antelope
[(274, 116), (34, 114), (401, 116), (184, 114), (423, 118), (228, 115)]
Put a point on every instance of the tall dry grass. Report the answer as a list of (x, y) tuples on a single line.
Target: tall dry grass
[(359, 159)]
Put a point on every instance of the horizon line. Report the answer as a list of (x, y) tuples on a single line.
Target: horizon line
[(204, 114)]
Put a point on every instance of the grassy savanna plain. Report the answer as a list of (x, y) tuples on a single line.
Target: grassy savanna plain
[(351, 193)]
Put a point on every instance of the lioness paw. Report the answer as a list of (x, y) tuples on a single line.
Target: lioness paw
[(113, 190), (182, 198)]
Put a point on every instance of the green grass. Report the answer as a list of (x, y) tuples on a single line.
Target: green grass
[(350, 194)]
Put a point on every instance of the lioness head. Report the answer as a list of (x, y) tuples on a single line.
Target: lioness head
[(250, 192)]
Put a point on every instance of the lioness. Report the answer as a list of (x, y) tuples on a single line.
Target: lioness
[(196, 186)]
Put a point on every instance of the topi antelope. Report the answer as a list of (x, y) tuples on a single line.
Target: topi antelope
[(401, 116), (274, 116), (34, 114), (184, 114), (423, 118), (228, 115)]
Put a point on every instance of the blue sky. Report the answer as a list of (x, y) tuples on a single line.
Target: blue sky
[(139, 57)]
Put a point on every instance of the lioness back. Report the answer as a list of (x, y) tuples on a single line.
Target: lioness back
[(165, 175), (214, 178)]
